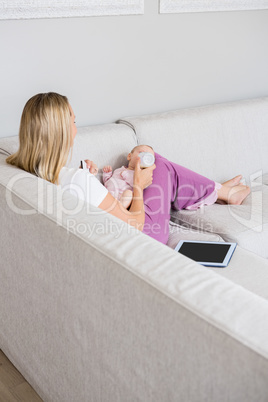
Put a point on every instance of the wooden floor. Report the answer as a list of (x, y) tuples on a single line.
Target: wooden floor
[(13, 386)]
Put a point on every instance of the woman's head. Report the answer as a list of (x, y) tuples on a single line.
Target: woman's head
[(47, 130)]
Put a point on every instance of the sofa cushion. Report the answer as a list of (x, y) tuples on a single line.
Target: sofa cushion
[(107, 144), (245, 268), (9, 145), (262, 179), (265, 179), (207, 139), (178, 232), (245, 224), (248, 270)]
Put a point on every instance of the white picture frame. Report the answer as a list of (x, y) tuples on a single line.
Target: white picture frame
[(186, 6), (28, 9)]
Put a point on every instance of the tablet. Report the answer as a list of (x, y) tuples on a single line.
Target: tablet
[(208, 253)]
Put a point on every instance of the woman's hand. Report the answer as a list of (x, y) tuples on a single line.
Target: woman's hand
[(93, 168), (143, 177), (135, 216)]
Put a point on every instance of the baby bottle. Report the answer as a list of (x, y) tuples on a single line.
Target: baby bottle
[(147, 159)]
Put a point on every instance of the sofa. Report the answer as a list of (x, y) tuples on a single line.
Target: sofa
[(91, 309)]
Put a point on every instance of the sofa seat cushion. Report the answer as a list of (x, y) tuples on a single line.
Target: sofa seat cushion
[(245, 224), (245, 268), (177, 233)]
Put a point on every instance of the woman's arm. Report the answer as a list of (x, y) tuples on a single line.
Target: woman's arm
[(135, 215)]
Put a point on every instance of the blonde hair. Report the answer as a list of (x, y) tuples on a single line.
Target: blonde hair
[(45, 136)]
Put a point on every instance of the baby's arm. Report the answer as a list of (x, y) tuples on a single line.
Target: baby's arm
[(127, 175), (108, 181), (107, 173)]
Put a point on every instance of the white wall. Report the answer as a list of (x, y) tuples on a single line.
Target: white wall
[(110, 67)]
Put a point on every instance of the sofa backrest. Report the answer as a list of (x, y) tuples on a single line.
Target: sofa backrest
[(106, 144), (218, 141)]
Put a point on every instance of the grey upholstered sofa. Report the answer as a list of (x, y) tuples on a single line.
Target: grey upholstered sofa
[(93, 310)]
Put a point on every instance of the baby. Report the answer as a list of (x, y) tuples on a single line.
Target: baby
[(120, 182)]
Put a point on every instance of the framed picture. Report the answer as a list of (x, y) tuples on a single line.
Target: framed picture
[(186, 6), (24, 9)]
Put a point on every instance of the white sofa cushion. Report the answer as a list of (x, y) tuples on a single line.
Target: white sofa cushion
[(262, 179), (180, 232), (217, 141), (245, 224), (248, 270), (107, 144), (9, 145)]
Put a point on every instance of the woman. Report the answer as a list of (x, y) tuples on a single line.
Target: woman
[(47, 132)]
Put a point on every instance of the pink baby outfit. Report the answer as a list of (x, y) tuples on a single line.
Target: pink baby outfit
[(118, 181)]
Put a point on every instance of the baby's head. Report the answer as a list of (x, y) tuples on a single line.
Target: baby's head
[(134, 154)]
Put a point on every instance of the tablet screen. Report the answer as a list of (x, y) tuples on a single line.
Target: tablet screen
[(217, 254)]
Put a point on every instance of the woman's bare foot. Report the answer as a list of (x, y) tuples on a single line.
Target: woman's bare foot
[(237, 194), (232, 192), (233, 182)]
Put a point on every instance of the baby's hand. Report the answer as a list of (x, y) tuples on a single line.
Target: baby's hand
[(107, 169), (93, 168)]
